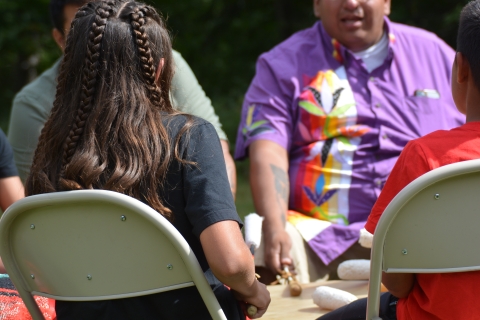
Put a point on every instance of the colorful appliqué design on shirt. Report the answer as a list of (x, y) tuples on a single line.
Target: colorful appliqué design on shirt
[(392, 38), (328, 122), (254, 128), (336, 51)]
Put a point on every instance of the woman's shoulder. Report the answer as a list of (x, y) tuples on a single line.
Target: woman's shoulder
[(176, 122)]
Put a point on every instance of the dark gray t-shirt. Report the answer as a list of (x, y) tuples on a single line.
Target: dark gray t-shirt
[(199, 196)]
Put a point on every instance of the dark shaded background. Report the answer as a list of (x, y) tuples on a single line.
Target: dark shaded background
[(220, 39)]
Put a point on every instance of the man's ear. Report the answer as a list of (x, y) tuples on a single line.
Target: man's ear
[(159, 69), (387, 7), (59, 38), (463, 68), (316, 8)]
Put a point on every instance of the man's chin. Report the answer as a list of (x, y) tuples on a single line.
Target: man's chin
[(355, 41)]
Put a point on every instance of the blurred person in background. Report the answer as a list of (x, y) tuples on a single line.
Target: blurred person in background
[(11, 187), (32, 105), (323, 122)]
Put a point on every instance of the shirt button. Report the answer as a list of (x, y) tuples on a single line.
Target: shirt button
[(377, 105), (372, 79), (384, 137), (378, 182)]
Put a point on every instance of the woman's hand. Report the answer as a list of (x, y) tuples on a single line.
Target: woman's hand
[(260, 298), (232, 263)]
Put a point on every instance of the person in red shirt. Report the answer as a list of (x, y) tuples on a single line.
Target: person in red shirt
[(442, 295)]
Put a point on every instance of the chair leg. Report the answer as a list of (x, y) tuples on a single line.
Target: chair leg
[(31, 305)]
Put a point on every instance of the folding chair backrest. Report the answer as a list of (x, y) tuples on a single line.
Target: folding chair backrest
[(431, 226), (92, 245)]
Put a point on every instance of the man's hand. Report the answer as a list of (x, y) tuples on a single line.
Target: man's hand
[(270, 189), (277, 249)]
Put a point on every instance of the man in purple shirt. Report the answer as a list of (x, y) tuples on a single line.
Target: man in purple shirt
[(326, 117)]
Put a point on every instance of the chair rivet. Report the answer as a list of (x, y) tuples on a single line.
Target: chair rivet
[(437, 196), (169, 267), (123, 218), (32, 226), (89, 277), (404, 251), (32, 276)]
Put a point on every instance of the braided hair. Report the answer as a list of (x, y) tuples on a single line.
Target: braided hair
[(107, 126)]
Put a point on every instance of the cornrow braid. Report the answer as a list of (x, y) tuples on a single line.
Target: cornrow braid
[(59, 92), (138, 21), (89, 79)]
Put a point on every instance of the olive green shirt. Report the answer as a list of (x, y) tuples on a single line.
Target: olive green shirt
[(32, 106)]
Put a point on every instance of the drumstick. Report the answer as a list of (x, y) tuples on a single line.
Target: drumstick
[(253, 236), (251, 310), (295, 288)]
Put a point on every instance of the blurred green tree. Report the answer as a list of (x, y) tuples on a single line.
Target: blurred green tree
[(220, 39), (26, 47)]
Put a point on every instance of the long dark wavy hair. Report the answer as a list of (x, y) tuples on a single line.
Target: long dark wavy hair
[(106, 129)]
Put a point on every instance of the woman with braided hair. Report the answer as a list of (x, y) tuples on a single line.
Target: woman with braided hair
[(113, 127)]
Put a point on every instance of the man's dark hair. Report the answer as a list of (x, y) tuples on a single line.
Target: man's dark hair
[(468, 39), (56, 11)]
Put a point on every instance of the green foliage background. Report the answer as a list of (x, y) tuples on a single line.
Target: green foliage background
[(220, 39)]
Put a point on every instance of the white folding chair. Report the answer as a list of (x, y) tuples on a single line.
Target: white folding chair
[(431, 226), (91, 245)]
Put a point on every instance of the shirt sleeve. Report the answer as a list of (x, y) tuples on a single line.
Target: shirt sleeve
[(411, 164), (7, 165), (26, 122), (207, 192), (189, 97), (266, 113)]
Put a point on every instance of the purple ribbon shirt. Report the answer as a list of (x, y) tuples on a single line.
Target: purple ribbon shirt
[(342, 126)]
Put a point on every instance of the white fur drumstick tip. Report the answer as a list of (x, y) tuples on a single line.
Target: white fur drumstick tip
[(366, 238), (354, 270), (331, 298), (253, 230)]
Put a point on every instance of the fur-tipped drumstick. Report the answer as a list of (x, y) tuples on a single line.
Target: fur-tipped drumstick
[(253, 236)]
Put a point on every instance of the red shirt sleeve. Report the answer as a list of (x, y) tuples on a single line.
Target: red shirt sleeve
[(411, 164)]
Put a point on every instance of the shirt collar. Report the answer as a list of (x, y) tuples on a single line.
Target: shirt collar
[(339, 52)]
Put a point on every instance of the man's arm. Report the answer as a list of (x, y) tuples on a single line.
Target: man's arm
[(230, 164), (189, 97), (270, 189)]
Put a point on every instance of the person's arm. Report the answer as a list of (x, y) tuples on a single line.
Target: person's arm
[(403, 173), (189, 97), (230, 165), (231, 262), (270, 189), (211, 211), (11, 190), (398, 284)]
